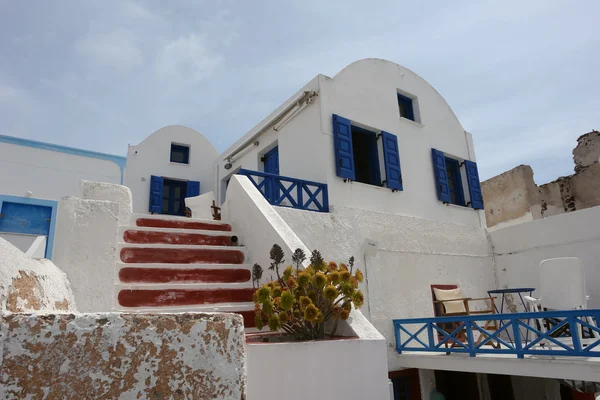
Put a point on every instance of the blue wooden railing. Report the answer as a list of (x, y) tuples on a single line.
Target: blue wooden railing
[(429, 335), (290, 192)]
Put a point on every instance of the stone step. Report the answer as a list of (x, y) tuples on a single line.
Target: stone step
[(185, 274), (132, 253), (189, 295), (170, 221), (133, 235)]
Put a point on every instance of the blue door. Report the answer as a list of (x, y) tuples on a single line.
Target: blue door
[(25, 218), (271, 160)]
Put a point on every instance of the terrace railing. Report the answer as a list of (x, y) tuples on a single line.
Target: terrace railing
[(290, 192), (570, 333)]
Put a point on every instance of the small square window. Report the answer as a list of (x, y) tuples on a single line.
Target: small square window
[(180, 154), (405, 104)]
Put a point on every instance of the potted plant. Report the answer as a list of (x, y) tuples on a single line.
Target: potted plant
[(302, 302)]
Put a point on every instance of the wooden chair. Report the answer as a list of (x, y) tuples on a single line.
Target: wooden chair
[(460, 306)]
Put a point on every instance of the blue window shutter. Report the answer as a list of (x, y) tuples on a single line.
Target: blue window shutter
[(193, 189), (474, 185), (156, 189), (441, 176), (344, 155), (391, 159)]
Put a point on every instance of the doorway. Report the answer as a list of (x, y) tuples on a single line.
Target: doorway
[(271, 166), (26, 219), (173, 195)]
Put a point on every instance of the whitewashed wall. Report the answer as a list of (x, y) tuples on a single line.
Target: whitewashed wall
[(49, 174), (519, 249), (152, 157), (413, 253), (365, 92)]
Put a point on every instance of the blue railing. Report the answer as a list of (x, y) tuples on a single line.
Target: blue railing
[(290, 192), (466, 334)]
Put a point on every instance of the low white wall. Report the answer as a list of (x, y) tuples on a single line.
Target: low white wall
[(413, 253), (85, 249), (258, 224), (334, 369), (519, 249), (105, 191)]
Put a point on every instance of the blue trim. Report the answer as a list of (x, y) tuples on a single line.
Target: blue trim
[(294, 192), (391, 159), (38, 202), (573, 319), (460, 194), (474, 185), (344, 153), (441, 175), (119, 160), (407, 102)]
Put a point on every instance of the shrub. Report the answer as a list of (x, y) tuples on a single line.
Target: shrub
[(299, 301)]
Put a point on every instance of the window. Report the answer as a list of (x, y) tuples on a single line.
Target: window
[(167, 196), (405, 104), (357, 153), (180, 154), (450, 185)]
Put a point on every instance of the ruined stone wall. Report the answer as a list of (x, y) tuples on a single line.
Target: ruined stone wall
[(122, 356), (513, 197), (31, 285)]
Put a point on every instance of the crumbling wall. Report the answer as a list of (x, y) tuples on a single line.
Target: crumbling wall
[(29, 285), (122, 356), (512, 197)]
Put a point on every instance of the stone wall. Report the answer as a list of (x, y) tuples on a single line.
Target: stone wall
[(30, 285), (513, 197), (122, 356)]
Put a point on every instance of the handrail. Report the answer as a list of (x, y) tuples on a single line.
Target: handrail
[(456, 334), (277, 193)]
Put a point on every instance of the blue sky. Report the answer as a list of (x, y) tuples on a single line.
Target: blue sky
[(522, 76)]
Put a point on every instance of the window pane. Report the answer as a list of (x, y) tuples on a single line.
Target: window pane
[(165, 206), (180, 154), (178, 192), (177, 205), (165, 191)]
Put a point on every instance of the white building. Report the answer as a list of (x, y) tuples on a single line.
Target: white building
[(371, 163)]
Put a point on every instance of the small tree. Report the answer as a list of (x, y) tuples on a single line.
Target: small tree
[(300, 302), (257, 272)]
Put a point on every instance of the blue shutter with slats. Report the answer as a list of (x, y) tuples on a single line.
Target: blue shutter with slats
[(441, 176), (156, 189), (344, 155), (474, 185), (391, 159), (193, 189)]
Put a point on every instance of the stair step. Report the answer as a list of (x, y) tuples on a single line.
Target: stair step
[(153, 275), (169, 221), (180, 254), (182, 297), (143, 236)]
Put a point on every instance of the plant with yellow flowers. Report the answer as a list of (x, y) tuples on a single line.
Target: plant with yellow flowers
[(300, 301)]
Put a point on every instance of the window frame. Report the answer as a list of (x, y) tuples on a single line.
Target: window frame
[(184, 149), (373, 154), (460, 193), (409, 105)]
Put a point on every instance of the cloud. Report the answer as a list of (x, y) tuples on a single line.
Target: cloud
[(135, 10), (187, 59), (116, 49)]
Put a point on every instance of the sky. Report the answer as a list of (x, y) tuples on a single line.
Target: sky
[(522, 76)]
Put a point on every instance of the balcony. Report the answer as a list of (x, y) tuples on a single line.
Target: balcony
[(290, 192), (518, 347)]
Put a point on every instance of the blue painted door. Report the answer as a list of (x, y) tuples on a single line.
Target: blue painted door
[(25, 218), (271, 160)]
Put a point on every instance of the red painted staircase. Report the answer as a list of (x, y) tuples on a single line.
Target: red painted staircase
[(168, 263)]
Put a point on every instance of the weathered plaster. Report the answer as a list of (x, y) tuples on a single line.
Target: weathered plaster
[(28, 284), (119, 194), (85, 249), (587, 151), (123, 356)]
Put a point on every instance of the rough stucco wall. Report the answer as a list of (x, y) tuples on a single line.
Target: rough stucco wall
[(413, 254), (125, 356), (85, 249), (585, 186), (509, 196), (587, 151), (28, 285), (119, 194)]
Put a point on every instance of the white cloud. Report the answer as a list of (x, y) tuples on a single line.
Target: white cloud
[(116, 49), (187, 60), (132, 9)]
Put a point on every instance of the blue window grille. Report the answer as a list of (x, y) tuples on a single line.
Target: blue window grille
[(405, 104), (290, 192), (180, 154)]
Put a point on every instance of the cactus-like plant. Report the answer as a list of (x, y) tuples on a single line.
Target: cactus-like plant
[(301, 301)]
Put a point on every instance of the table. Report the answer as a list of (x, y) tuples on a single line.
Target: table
[(504, 292)]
